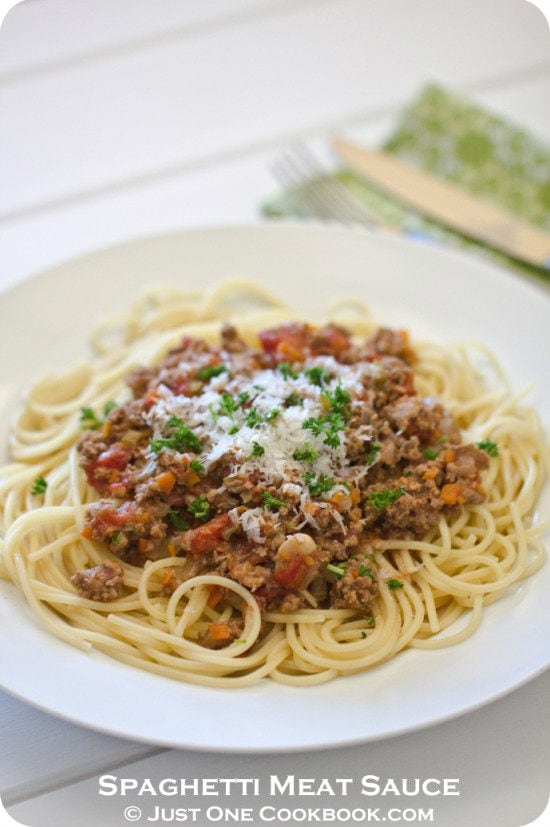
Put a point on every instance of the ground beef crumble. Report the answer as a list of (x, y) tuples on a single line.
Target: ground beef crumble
[(373, 460), (103, 582)]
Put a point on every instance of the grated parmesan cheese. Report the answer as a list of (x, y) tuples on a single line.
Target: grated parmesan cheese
[(262, 444)]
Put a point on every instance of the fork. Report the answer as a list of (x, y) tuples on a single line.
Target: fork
[(318, 193)]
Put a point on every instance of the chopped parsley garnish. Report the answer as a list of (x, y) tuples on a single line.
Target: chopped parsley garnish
[(315, 424), (253, 418), (287, 371), (489, 447), (39, 486), (334, 422), (257, 450), (317, 376), (363, 635), (116, 538), (108, 407), (307, 454), (293, 400), (374, 450), (319, 486), (382, 499), (337, 569), (337, 399), (441, 439), (213, 414), (329, 424), (197, 466), (430, 453), (271, 502), (371, 620), (240, 640), (233, 430), (228, 405), (200, 508), (243, 397), (394, 584), (88, 420), (177, 520), (182, 440), (205, 374), (408, 474), (272, 414), (366, 571)]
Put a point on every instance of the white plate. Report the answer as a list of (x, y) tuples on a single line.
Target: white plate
[(45, 322)]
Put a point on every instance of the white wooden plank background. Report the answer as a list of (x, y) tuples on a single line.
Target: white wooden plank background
[(186, 100), (60, 32), (482, 751), (228, 190), (139, 116)]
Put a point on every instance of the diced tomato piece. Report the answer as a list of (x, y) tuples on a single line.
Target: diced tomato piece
[(105, 517), (151, 397), (118, 489), (270, 340), (331, 341), (109, 515), (292, 575), (290, 342), (207, 537), (116, 458), (180, 387)]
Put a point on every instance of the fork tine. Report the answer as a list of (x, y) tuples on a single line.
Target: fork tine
[(347, 200), (326, 185), (320, 206), (305, 205), (317, 193)]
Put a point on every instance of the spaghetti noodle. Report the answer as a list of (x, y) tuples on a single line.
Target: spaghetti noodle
[(170, 614)]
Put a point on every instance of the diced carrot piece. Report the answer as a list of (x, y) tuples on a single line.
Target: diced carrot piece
[(190, 478), (172, 550), (451, 494), (311, 507), (448, 455), (166, 481), (87, 531), (216, 594), (107, 428), (355, 495), (338, 498), (290, 351), (167, 577), (219, 631), (142, 545), (430, 474)]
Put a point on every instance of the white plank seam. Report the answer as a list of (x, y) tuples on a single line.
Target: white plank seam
[(10, 799), (187, 31), (244, 150)]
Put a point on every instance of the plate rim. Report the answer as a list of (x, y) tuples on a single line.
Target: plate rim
[(492, 270)]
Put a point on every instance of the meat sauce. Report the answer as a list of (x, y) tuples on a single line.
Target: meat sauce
[(279, 466)]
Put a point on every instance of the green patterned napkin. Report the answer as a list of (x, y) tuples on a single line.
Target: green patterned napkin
[(458, 140)]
